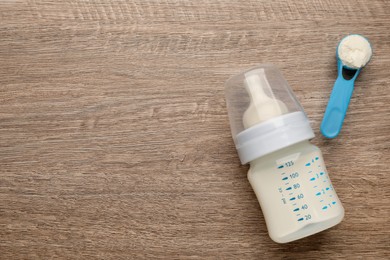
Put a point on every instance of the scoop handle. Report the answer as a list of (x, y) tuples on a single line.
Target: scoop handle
[(338, 103)]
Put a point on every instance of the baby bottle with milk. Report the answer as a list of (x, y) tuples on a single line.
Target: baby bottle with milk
[(287, 173)]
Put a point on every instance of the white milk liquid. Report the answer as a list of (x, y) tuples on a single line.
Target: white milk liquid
[(295, 193)]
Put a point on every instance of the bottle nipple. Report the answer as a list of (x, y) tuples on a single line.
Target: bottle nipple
[(261, 107)]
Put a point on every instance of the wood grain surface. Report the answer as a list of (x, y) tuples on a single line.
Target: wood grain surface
[(114, 135)]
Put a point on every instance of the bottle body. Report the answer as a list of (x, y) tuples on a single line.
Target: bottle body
[(295, 193), (271, 131)]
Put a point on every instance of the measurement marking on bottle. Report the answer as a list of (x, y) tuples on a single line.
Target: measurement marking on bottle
[(327, 188), (315, 186), (322, 173), (296, 186), (334, 202), (280, 166), (317, 158), (307, 164), (324, 207), (289, 188), (285, 178), (300, 219), (293, 198), (313, 179), (296, 209), (287, 183), (318, 193), (321, 200), (294, 204)]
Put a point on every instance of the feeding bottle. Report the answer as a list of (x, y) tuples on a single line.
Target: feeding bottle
[(287, 173)]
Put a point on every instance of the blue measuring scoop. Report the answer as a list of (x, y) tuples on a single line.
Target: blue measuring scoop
[(339, 99)]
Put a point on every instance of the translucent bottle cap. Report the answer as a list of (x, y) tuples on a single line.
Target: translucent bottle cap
[(263, 112)]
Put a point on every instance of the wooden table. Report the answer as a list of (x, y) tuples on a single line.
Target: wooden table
[(115, 141)]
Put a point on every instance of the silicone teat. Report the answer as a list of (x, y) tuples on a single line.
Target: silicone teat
[(262, 107), (353, 53)]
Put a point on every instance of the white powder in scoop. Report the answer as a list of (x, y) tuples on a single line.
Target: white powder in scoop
[(354, 51)]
